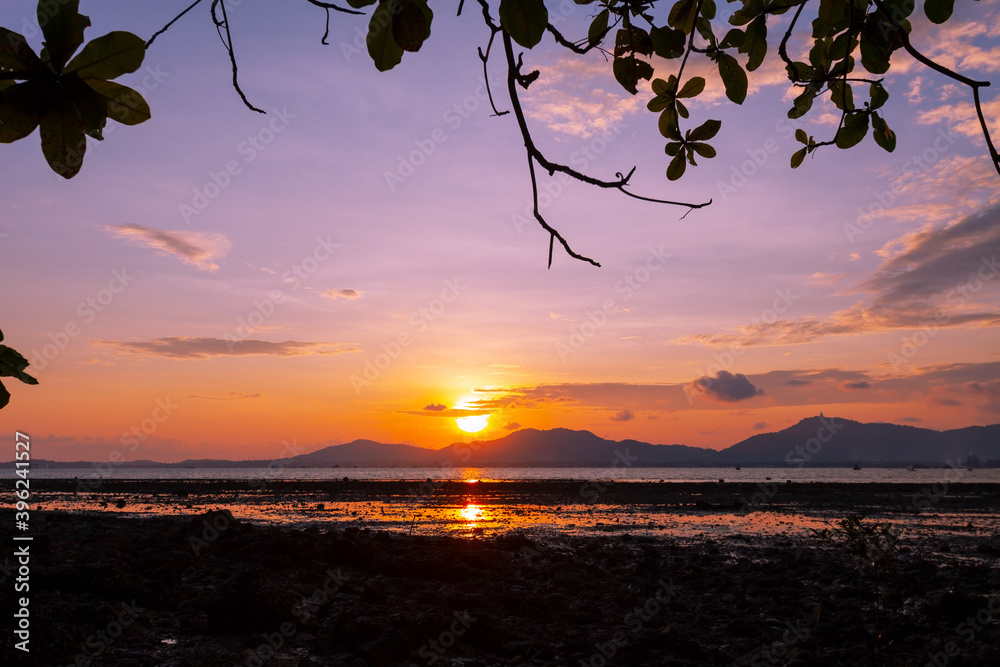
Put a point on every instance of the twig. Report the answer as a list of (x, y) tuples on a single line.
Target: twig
[(172, 21), (228, 40)]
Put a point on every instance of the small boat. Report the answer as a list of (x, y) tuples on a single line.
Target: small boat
[(738, 468), (857, 466)]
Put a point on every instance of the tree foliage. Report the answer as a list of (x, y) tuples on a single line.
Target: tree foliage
[(852, 43)]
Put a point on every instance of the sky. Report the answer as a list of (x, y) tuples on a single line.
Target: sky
[(358, 262)]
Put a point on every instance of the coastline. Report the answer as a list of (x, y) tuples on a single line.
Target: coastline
[(211, 588)]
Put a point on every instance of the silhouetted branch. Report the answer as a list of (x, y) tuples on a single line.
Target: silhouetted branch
[(329, 5), (172, 21), (228, 41), (972, 83)]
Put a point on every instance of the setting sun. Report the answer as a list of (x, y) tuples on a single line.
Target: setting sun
[(472, 424)]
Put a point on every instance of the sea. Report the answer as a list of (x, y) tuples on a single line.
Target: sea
[(618, 474)]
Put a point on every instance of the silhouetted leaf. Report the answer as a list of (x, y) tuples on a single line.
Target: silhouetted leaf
[(705, 131), (939, 11), (411, 25), (109, 56), (667, 42), (382, 46), (703, 150), (12, 364), (633, 40), (800, 136), (682, 16), (735, 37), (92, 108), (123, 104), (878, 94), (525, 20), (676, 167), (21, 108), (629, 70), (668, 124), (755, 43), (797, 157), (63, 140), (734, 78), (62, 26), (692, 88), (16, 55), (853, 131), (842, 95), (598, 27), (883, 136)]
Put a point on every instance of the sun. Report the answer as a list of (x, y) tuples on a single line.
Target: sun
[(473, 424)]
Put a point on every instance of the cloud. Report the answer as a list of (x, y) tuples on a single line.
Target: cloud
[(798, 382), (759, 426), (929, 278), (912, 420), (860, 384), (341, 294), (512, 426), (947, 402), (231, 396), (181, 347), (580, 98), (199, 249), (623, 416), (725, 387), (436, 407)]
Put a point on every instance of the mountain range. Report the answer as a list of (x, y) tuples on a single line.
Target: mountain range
[(812, 441)]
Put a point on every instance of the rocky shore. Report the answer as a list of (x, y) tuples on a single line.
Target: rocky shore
[(210, 589)]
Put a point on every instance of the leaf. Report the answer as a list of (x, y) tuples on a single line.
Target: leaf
[(16, 55), (705, 131), (842, 95), (382, 47), (411, 25), (735, 37), (853, 131), (681, 109), (4, 396), (800, 136), (676, 167), (124, 104), (633, 40), (667, 42), (525, 20), (745, 14), (692, 88), (797, 157), (874, 50), (12, 364), (703, 150), (883, 136), (939, 11), (92, 108), (755, 43), (63, 140), (629, 70), (668, 123), (21, 108), (802, 104), (734, 78), (682, 16), (62, 26), (673, 148), (109, 56), (878, 94), (598, 27)]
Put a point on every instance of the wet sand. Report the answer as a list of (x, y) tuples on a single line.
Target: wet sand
[(181, 584)]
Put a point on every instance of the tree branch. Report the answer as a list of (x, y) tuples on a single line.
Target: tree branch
[(228, 41), (904, 38), (172, 21)]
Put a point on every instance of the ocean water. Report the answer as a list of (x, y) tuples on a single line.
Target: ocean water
[(622, 474)]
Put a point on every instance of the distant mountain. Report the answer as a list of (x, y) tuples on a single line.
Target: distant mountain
[(814, 441), (564, 447), (827, 440), (365, 453)]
